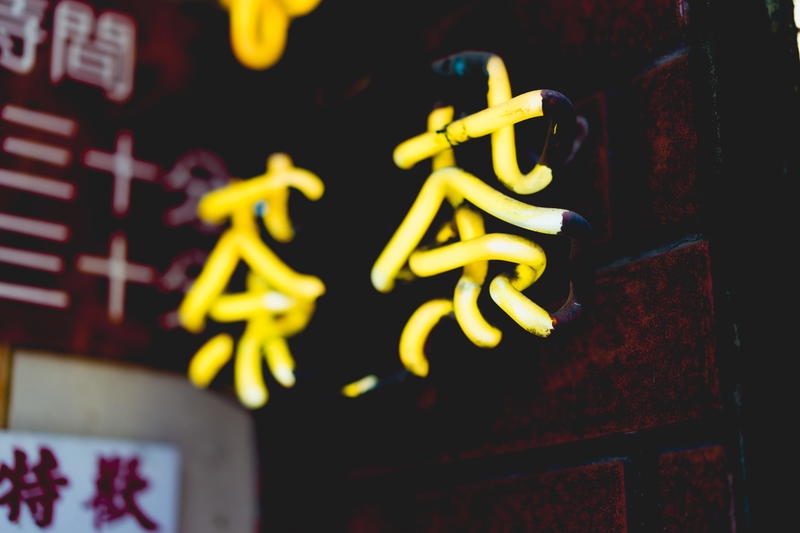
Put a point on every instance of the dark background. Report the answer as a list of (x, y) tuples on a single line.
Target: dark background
[(640, 418)]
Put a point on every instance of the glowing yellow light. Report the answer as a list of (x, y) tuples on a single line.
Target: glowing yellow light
[(446, 232), (209, 284), (359, 387), (280, 360), (433, 192), (492, 246), (439, 118), (797, 22), (416, 332), (504, 147), (236, 307), (248, 377), (278, 302), (259, 28), (474, 248), (279, 274), (210, 359), (430, 143), (280, 175), (465, 297), (524, 312)]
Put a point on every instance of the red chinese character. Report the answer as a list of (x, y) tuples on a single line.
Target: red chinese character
[(36, 487), (116, 486)]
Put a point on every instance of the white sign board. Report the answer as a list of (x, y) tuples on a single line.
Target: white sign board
[(72, 484)]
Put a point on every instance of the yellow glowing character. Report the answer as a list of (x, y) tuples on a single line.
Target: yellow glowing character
[(259, 28), (468, 194), (278, 301)]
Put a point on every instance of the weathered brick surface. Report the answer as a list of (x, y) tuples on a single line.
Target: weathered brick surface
[(587, 174), (654, 145), (696, 491), (667, 124), (615, 27), (646, 358), (583, 499), (597, 40), (643, 357)]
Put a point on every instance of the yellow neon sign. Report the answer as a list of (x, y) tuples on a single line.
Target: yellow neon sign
[(465, 192), (259, 28), (278, 302)]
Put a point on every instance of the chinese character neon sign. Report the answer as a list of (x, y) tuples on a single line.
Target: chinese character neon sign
[(278, 301), (466, 192)]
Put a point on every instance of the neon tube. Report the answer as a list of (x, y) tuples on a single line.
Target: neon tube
[(484, 122), (468, 288), (555, 107), (279, 360), (495, 246), (416, 331), (210, 359), (248, 376), (219, 204), (259, 28), (419, 217)]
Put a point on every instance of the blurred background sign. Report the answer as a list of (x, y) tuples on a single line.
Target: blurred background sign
[(98, 233), (97, 445), (65, 484)]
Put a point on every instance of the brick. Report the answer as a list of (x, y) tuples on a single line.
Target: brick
[(696, 491), (667, 122), (569, 45), (613, 28), (587, 175), (643, 357), (654, 151), (586, 499), (369, 518), (596, 39)]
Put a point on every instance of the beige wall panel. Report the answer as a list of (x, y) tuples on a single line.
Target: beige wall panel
[(60, 394)]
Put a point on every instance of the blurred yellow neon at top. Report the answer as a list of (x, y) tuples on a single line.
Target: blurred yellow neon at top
[(259, 28), (484, 122)]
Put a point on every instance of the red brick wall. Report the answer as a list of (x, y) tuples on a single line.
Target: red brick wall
[(625, 423), (693, 493), (587, 499)]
